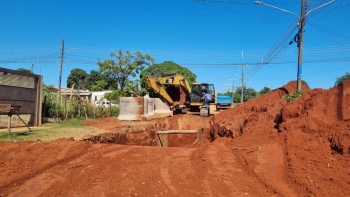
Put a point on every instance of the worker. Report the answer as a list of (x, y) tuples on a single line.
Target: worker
[(207, 98)]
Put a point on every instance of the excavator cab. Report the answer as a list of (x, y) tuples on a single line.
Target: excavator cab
[(197, 93)]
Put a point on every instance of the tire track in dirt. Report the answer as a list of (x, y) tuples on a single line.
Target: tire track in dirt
[(218, 170), (164, 167), (164, 173), (228, 173), (264, 183), (35, 188), (267, 172), (98, 186), (270, 166), (6, 189)]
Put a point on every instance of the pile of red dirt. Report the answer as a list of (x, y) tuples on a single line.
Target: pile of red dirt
[(304, 143)]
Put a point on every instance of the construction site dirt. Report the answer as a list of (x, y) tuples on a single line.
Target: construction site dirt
[(263, 147)]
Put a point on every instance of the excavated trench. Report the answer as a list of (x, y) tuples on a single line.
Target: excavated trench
[(316, 115), (230, 123), (143, 133)]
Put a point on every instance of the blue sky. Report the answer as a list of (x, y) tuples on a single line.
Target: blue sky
[(212, 38)]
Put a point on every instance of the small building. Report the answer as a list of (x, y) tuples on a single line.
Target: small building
[(97, 98), (84, 94)]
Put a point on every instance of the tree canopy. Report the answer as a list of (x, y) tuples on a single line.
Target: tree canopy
[(25, 70), (341, 79), (264, 90), (167, 67), (124, 66), (248, 93), (78, 77), (98, 81)]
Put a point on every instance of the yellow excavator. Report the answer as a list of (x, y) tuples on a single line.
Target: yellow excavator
[(175, 90)]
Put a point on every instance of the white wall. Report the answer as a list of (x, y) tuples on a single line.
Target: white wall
[(98, 96)]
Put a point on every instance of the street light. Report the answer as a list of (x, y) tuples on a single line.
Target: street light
[(259, 2), (301, 24)]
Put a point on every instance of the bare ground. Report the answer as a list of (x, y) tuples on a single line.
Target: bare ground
[(264, 147)]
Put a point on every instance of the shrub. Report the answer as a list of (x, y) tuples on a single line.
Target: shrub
[(292, 97)]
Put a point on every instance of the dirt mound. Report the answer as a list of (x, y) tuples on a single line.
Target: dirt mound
[(256, 115), (310, 135)]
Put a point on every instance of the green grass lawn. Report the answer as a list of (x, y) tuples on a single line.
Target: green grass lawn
[(51, 131)]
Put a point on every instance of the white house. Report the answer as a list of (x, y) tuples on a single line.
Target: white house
[(97, 98)]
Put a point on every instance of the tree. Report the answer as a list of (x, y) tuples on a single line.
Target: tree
[(341, 79), (114, 95), (25, 70), (167, 67), (134, 88), (126, 65), (98, 81), (78, 77), (236, 98), (264, 90), (248, 93)]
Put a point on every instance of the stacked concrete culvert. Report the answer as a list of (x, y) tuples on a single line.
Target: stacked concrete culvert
[(131, 108), (148, 106)]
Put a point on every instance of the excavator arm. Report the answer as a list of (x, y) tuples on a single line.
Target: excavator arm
[(172, 89)]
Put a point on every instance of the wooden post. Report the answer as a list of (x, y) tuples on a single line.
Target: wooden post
[(9, 122), (200, 133), (162, 140), (44, 109), (70, 102)]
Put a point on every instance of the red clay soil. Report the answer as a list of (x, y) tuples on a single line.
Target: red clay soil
[(264, 147)]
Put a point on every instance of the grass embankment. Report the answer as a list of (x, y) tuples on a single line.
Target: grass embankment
[(50, 132)]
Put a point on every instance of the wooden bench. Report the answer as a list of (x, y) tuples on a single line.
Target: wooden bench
[(11, 109)]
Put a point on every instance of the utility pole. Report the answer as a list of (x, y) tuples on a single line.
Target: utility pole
[(300, 35), (300, 44), (233, 86), (242, 80), (228, 87), (32, 68), (60, 73), (39, 64), (242, 83)]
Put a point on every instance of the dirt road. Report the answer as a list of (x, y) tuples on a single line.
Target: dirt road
[(76, 168)]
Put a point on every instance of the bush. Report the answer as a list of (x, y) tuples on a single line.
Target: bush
[(292, 97), (64, 110)]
